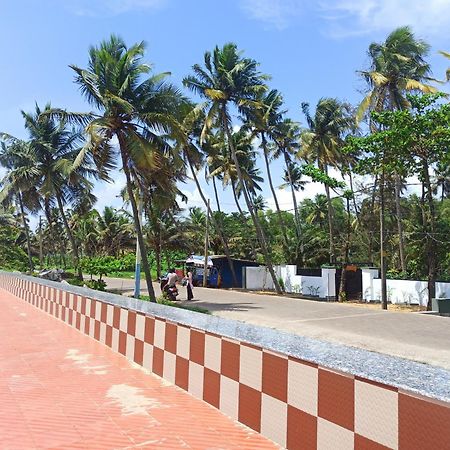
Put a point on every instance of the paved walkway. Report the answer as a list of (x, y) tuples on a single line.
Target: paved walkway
[(414, 336), (60, 389)]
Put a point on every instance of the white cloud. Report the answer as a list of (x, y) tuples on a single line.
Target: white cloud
[(274, 13), (352, 17), (112, 7)]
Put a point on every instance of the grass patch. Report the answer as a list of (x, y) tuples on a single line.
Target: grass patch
[(163, 301)]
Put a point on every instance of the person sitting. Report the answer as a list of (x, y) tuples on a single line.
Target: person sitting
[(172, 278)]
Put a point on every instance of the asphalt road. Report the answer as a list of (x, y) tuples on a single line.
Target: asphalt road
[(419, 337)]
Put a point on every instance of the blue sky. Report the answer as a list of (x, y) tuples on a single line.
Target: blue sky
[(312, 49)]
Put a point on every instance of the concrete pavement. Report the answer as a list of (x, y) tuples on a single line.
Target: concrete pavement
[(419, 337)]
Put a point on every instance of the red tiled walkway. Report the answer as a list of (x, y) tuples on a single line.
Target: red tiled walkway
[(60, 389)]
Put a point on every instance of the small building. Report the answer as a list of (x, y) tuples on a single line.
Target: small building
[(223, 267)]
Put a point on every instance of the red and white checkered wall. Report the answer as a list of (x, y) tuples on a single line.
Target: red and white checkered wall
[(297, 404)]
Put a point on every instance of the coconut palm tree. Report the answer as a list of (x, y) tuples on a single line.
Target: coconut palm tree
[(19, 184), (135, 109), (229, 78), (321, 143), (262, 120), (397, 66)]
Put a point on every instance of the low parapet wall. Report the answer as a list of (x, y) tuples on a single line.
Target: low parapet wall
[(299, 392)]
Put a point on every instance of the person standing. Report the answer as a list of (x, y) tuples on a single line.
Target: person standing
[(189, 286)]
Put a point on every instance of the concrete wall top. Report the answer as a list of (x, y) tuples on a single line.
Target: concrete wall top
[(404, 374)]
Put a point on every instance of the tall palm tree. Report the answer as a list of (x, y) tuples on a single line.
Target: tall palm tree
[(62, 178), (19, 184), (229, 78), (262, 120), (397, 66), (134, 108), (322, 142)]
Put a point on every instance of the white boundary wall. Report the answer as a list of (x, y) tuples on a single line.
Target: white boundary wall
[(399, 291), (259, 279)]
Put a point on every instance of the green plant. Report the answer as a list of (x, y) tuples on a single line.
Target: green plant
[(163, 301), (98, 285)]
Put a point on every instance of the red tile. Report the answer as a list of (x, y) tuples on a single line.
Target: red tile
[(301, 430), (131, 325), (104, 312), (170, 344), (97, 330), (362, 443), (78, 321), (108, 337), (86, 325), (149, 333), (274, 376), (83, 306), (116, 317), (250, 407), (138, 351), (182, 373), (337, 398), (122, 342), (423, 424), (93, 308), (158, 361), (197, 347), (230, 357), (211, 387)]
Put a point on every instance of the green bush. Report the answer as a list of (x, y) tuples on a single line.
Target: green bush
[(98, 285)]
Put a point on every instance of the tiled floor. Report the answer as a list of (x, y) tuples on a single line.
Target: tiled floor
[(60, 389)]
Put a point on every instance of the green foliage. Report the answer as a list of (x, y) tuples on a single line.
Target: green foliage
[(100, 265), (163, 301), (12, 255), (98, 285)]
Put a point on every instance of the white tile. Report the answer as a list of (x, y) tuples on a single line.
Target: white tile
[(229, 397), (102, 333), (274, 419), (123, 324), (303, 387), (250, 371), (129, 353), (109, 315), (376, 414), (196, 380), (147, 361), (160, 334), (183, 341), (213, 352), (98, 311), (91, 327), (140, 327), (88, 307), (169, 367), (115, 340), (333, 437)]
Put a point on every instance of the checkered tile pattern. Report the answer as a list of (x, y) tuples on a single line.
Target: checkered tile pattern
[(297, 404)]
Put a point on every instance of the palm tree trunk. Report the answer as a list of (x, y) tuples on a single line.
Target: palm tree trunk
[(216, 194), (398, 211), (330, 219), (298, 226), (342, 293), (213, 221), (430, 242), (26, 230), (70, 236), (275, 198), (137, 223), (244, 220), (259, 230)]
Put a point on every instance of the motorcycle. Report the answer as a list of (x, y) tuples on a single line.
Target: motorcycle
[(171, 292)]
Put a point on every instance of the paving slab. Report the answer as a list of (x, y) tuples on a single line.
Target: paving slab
[(61, 389), (414, 336)]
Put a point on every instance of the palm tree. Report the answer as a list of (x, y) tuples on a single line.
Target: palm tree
[(229, 78), (62, 178), (262, 120), (321, 143), (134, 108), (397, 66), (19, 184)]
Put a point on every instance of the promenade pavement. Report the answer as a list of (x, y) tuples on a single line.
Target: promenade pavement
[(60, 389), (420, 337)]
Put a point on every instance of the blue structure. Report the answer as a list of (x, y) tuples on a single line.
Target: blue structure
[(225, 278)]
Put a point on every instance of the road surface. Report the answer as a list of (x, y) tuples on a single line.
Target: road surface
[(419, 337)]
